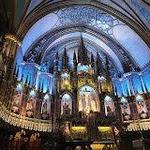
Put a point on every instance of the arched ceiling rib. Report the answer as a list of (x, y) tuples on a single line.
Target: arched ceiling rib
[(134, 13), (72, 45), (136, 10), (98, 44), (58, 35), (98, 20), (15, 11)]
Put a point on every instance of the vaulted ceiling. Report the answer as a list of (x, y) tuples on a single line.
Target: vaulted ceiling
[(119, 29)]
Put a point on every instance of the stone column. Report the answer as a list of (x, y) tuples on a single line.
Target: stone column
[(118, 109), (8, 53), (11, 43)]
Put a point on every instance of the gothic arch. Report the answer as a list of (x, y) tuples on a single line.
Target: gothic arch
[(48, 7)]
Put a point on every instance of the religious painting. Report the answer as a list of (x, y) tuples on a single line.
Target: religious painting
[(125, 109), (88, 100), (46, 107), (17, 99), (66, 105), (109, 106), (65, 81), (31, 104), (141, 107)]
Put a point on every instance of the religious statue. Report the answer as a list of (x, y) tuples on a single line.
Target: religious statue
[(16, 102), (142, 110), (109, 106), (66, 109), (44, 111), (29, 108), (126, 111), (66, 105), (88, 100)]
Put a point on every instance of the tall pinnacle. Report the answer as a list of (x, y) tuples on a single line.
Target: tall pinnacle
[(82, 53), (74, 58), (56, 62), (75, 61), (65, 59), (92, 60), (107, 68), (99, 65)]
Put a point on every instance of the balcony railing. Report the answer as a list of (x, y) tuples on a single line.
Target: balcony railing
[(25, 122)]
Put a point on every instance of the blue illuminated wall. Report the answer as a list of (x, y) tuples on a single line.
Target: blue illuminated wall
[(30, 74), (132, 83), (146, 79)]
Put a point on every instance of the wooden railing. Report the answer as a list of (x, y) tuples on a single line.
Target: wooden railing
[(139, 125), (25, 122)]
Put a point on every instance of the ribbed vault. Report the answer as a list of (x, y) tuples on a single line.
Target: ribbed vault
[(105, 43), (107, 32), (127, 12)]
